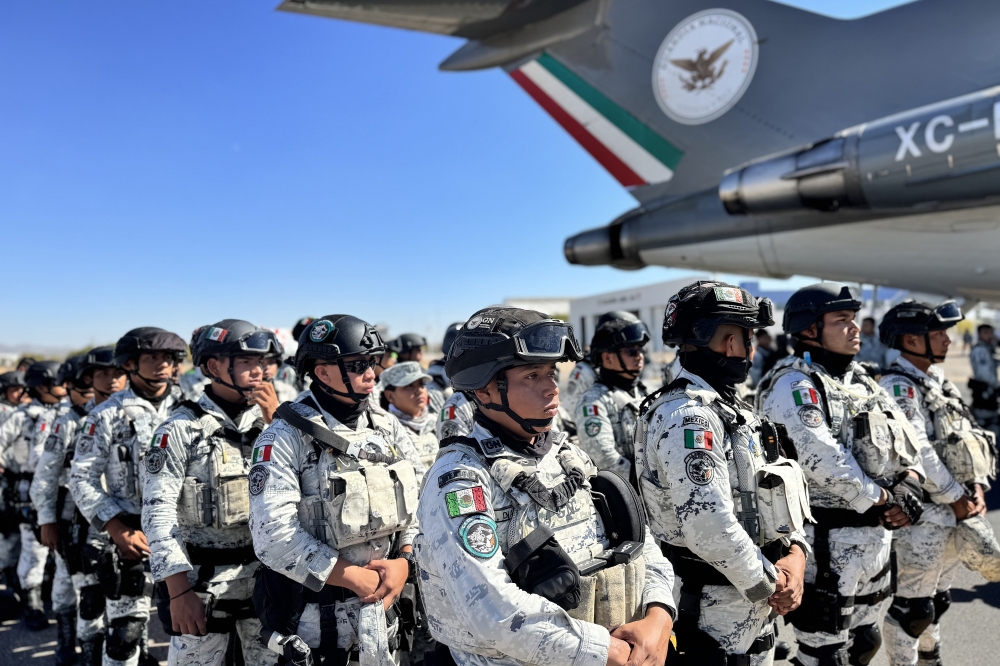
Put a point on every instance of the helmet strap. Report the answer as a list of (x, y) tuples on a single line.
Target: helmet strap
[(928, 352), (528, 425), (350, 394), (242, 390)]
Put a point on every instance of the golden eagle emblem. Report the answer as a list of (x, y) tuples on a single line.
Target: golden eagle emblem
[(702, 68)]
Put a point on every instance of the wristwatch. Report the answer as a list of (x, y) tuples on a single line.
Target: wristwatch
[(411, 563)]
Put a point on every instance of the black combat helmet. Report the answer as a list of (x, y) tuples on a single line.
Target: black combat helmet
[(69, 372), (695, 312), (331, 339), (406, 343), (148, 339), (616, 330), (809, 304), (449, 337), (12, 378), (495, 339), (913, 318), (41, 373), (232, 337)]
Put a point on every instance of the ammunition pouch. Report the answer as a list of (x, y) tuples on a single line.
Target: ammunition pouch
[(969, 455), (612, 596), (782, 500), (226, 504)]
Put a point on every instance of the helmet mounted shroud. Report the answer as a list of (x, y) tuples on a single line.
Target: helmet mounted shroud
[(496, 339), (914, 318), (331, 339), (148, 339), (695, 312), (808, 305), (615, 331), (230, 338)]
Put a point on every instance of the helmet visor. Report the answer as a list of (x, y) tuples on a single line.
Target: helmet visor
[(546, 341), (260, 342), (948, 313), (633, 334), (102, 357)]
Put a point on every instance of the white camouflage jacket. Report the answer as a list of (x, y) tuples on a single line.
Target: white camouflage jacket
[(984, 363), (291, 478), (688, 468), (422, 432), (456, 415), (789, 395), (581, 379), (104, 478), (193, 456), (43, 428), (472, 605), (52, 470), (606, 416), (17, 435)]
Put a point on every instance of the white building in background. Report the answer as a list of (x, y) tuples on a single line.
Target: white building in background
[(648, 303), (555, 306)]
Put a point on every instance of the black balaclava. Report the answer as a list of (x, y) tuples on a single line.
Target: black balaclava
[(232, 409), (346, 413), (537, 448), (721, 372), (836, 364), (618, 380)]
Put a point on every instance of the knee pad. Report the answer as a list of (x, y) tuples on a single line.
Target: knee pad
[(123, 637), (913, 615), (91, 602), (866, 641), (942, 602), (827, 655), (133, 579)]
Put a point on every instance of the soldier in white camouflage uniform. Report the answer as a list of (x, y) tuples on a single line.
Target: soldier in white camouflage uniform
[(17, 437), (405, 396), (708, 470), (437, 367), (860, 456), (455, 419), (958, 456), (984, 384), (52, 506), (606, 413), (195, 508), (105, 484), (518, 565), (333, 506), (63, 527), (12, 391)]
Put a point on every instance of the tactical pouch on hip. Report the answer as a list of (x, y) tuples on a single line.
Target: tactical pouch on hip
[(539, 565), (782, 500), (612, 596), (873, 443)]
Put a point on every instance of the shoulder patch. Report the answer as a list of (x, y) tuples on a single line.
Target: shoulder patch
[(258, 479), (155, 459), (590, 410), (902, 391), (698, 439), (805, 396), (907, 406), (261, 454), (696, 420), (592, 427), (86, 442), (799, 383), (160, 440), (466, 501), (700, 468), (449, 413), (457, 475), (51, 443), (479, 536), (811, 416), (450, 429), (265, 437), (492, 446)]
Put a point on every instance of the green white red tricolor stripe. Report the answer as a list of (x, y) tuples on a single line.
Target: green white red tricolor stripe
[(632, 152)]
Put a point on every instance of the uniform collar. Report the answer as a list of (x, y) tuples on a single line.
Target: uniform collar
[(933, 373), (329, 420), (247, 417)]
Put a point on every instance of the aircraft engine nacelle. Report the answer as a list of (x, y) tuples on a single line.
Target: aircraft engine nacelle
[(938, 155)]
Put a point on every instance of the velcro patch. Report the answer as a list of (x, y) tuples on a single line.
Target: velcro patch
[(466, 501), (258, 479), (592, 427), (728, 294), (700, 468), (492, 446), (902, 391), (448, 413), (811, 416), (266, 437), (908, 406), (805, 396), (590, 410), (154, 460), (479, 536), (457, 475), (261, 454), (160, 441), (696, 420), (698, 439)]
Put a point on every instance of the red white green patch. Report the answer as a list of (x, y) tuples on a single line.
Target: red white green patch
[(698, 439), (590, 410), (90, 430), (261, 454), (805, 396), (462, 502), (42, 428), (729, 294), (161, 441), (902, 391), (448, 413), (217, 334)]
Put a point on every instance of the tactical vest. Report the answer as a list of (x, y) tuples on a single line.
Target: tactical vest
[(866, 425), (628, 413), (771, 499), (224, 501), (967, 450), (363, 495)]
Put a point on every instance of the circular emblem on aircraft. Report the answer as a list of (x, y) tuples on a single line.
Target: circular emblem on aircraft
[(704, 66)]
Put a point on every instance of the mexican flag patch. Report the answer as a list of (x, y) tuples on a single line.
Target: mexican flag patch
[(806, 396), (901, 391), (461, 502), (262, 454), (590, 410), (160, 441), (91, 429), (698, 439), (217, 334), (448, 413)]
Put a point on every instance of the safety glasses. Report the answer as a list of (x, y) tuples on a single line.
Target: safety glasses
[(360, 367), (101, 357), (948, 313), (633, 334), (546, 340), (260, 342)]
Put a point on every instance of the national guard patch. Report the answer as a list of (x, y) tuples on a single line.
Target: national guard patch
[(450, 429), (465, 501), (479, 536), (154, 460), (51, 443), (811, 416), (85, 444), (492, 446), (700, 468), (696, 420), (592, 427), (907, 406), (258, 479), (321, 330)]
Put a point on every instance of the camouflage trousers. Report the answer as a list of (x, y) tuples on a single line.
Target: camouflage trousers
[(31, 562), (927, 561), (735, 622)]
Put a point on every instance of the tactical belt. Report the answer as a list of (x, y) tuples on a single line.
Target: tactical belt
[(830, 519), (220, 556), (695, 573)]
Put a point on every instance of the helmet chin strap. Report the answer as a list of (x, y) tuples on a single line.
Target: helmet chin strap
[(528, 425), (244, 391), (929, 351), (631, 374), (350, 394)]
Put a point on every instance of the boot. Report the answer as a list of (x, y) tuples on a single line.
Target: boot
[(92, 651), (34, 610), (66, 645), (11, 606)]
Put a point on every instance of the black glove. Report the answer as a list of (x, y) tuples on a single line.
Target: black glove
[(907, 494)]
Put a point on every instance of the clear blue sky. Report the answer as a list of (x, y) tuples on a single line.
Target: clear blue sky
[(176, 163)]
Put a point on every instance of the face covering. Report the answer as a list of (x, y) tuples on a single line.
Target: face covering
[(836, 364), (346, 413), (721, 372)]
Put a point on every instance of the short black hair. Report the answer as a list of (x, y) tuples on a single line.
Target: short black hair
[(761, 331), (871, 319), (983, 327)]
